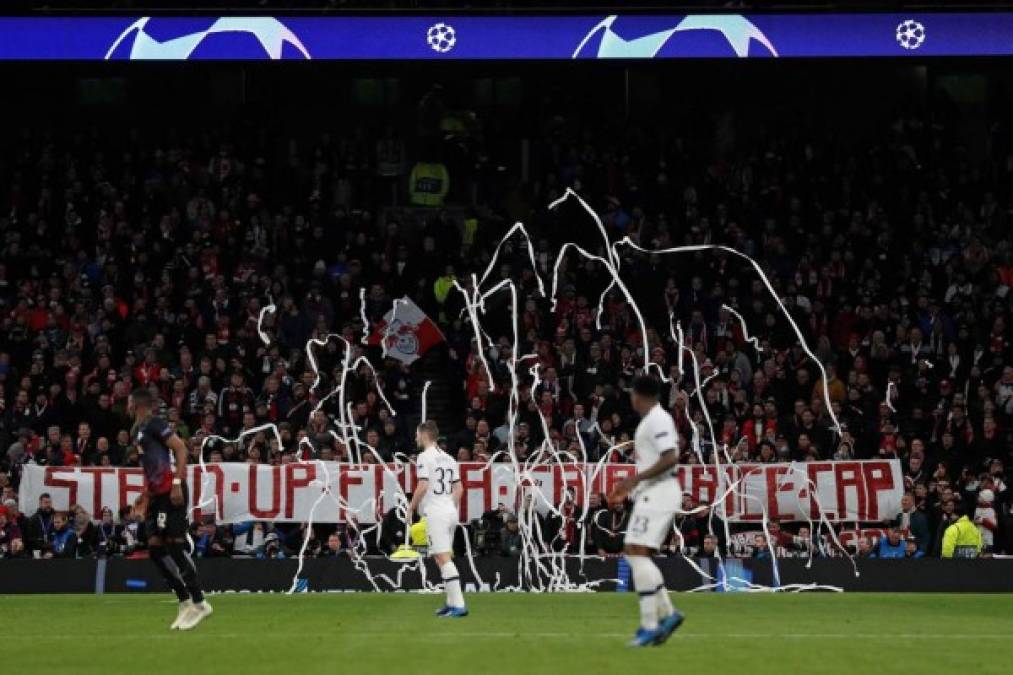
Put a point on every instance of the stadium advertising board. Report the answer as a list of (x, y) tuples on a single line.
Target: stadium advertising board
[(655, 36), (863, 491)]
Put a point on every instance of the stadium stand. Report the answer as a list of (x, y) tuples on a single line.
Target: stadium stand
[(140, 252)]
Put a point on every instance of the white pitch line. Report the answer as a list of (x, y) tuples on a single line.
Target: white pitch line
[(446, 635)]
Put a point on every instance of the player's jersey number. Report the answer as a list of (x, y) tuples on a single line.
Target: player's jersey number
[(638, 525), (443, 481)]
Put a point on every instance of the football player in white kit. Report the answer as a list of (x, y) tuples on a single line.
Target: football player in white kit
[(656, 498), (437, 498)]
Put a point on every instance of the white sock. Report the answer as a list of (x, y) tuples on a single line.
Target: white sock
[(452, 584), (665, 607), (663, 600), (646, 579)]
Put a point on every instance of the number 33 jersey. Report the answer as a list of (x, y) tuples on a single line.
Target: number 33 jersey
[(441, 472)]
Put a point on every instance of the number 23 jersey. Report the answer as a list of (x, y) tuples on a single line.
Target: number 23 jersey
[(441, 472), (656, 434)]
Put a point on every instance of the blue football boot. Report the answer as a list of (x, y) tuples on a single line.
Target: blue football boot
[(667, 626), (643, 637), (454, 613)]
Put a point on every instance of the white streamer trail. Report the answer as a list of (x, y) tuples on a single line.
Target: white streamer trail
[(888, 400), (264, 311), (542, 565), (745, 329)]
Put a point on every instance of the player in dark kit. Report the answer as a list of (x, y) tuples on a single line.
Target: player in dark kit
[(163, 505)]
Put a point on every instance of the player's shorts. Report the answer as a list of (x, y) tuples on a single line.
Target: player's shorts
[(165, 518), (650, 522), (440, 528)]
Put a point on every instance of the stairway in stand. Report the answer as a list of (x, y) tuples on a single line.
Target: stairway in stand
[(444, 400)]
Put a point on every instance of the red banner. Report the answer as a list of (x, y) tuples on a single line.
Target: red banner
[(868, 491)]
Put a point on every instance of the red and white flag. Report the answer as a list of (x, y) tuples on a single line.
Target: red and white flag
[(406, 333)]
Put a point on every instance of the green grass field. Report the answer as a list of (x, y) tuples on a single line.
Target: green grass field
[(509, 633)]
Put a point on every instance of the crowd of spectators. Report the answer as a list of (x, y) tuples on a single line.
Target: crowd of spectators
[(143, 257)]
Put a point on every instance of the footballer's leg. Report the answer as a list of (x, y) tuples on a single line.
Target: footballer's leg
[(646, 579), (179, 550), (156, 517), (167, 568), (670, 623), (452, 584), (441, 540), (644, 536), (201, 609), (669, 618)]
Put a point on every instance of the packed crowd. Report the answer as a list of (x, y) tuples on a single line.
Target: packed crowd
[(145, 259)]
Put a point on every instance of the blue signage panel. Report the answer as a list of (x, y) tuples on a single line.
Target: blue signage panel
[(507, 37)]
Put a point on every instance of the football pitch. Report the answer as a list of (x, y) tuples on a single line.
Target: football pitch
[(396, 633)]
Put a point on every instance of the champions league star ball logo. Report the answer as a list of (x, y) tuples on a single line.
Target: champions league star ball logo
[(180, 39), (910, 34), (441, 37), (698, 35)]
